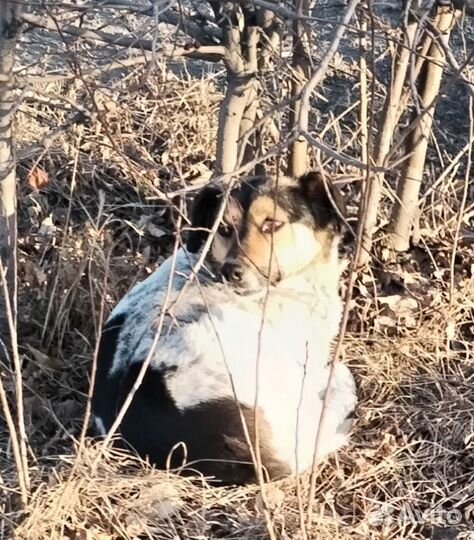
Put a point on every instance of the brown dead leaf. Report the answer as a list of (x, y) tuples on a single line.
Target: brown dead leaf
[(33, 274), (135, 525), (37, 178)]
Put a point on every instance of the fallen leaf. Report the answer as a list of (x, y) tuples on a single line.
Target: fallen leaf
[(33, 274), (37, 178), (402, 305), (384, 320), (47, 227), (397, 308), (155, 231)]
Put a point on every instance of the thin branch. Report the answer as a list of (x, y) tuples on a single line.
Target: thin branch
[(48, 23), (202, 52), (467, 180), (341, 157), (287, 14), (363, 108), (21, 81), (202, 33), (23, 474), (144, 367), (453, 164), (450, 58), (90, 393), (337, 351), (17, 455)]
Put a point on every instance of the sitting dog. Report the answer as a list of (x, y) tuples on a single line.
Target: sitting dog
[(244, 344)]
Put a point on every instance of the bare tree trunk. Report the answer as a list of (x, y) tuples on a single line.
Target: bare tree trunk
[(389, 119), (363, 111), (272, 31), (406, 205), (238, 108), (247, 135), (9, 11), (298, 158), (9, 22), (422, 53)]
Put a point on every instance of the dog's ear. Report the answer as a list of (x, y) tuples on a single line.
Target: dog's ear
[(325, 199), (203, 214)]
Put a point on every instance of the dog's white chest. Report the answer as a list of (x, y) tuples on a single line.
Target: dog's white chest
[(279, 364)]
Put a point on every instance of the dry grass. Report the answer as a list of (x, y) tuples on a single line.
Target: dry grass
[(411, 448), (120, 497), (106, 219)]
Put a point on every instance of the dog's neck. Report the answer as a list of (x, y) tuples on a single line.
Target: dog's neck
[(321, 272)]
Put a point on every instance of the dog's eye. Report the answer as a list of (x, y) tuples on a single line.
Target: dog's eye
[(271, 225), (225, 230)]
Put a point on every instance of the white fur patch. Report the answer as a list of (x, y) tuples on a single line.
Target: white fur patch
[(157, 282), (142, 306), (212, 338), (302, 249), (99, 425), (292, 371)]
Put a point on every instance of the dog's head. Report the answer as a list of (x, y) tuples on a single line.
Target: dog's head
[(269, 230)]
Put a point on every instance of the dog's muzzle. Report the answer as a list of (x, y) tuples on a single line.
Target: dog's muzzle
[(242, 277), (233, 273)]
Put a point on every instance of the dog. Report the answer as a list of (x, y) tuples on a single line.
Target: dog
[(240, 369)]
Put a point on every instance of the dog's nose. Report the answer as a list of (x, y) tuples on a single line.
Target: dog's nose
[(233, 272)]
